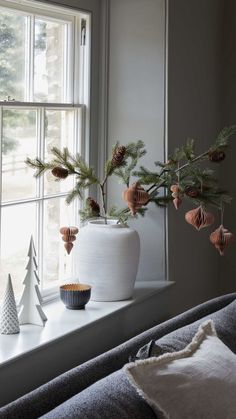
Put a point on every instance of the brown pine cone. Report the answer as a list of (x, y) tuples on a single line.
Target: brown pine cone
[(93, 205), (60, 172), (191, 191), (216, 156), (118, 156)]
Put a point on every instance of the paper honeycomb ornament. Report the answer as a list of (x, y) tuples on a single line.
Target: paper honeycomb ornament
[(9, 323)]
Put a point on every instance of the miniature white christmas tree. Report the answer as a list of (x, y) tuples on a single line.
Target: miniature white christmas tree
[(31, 300), (9, 323)]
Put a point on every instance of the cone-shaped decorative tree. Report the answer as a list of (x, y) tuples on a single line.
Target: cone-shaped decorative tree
[(31, 300), (9, 323)]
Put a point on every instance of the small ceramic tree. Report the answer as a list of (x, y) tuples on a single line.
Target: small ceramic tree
[(9, 323), (31, 300)]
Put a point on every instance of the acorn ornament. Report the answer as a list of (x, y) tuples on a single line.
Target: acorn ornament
[(221, 238), (177, 195), (136, 197), (69, 236), (199, 218)]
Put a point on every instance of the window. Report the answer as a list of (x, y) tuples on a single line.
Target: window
[(44, 83)]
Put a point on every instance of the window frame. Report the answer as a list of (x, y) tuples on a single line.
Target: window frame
[(78, 100)]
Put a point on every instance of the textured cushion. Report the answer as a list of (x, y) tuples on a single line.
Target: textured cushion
[(225, 324), (111, 397), (189, 383), (64, 387)]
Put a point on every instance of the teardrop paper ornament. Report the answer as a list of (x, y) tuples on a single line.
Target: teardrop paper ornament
[(136, 197), (199, 218), (69, 236), (221, 238), (177, 195), (177, 202)]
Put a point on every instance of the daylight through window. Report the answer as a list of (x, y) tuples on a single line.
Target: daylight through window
[(43, 102)]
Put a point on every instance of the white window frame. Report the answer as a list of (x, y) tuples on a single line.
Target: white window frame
[(78, 74)]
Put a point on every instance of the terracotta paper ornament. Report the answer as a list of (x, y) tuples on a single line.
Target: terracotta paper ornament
[(31, 300), (9, 323), (69, 236), (199, 218), (221, 238), (136, 197), (177, 195)]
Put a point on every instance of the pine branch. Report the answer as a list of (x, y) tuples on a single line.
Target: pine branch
[(74, 193), (134, 152), (223, 137), (39, 165)]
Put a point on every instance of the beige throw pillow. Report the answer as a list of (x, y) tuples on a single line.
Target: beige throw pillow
[(198, 382)]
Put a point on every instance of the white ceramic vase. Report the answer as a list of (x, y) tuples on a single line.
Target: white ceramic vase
[(108, 257)]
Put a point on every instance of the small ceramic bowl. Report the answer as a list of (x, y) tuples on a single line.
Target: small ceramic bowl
[(75, 296)]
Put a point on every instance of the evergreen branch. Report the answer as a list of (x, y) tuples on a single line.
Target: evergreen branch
[(74, 193), (223, 137), (39, 165)]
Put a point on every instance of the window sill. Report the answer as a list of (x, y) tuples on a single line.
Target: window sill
[(62, 322)]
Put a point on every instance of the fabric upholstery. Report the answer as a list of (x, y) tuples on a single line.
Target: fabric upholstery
[(225, 323), (112, 394), (67, 385), (196, 382), (111, 397)]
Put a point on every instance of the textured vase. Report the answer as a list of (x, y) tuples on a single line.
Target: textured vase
[(108, 259)]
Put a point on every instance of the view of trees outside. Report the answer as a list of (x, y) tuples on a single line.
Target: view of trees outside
[(12, 55), (19, 221), (49, 61)]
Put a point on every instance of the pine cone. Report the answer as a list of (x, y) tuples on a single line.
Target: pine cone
[(60, 172), (216, 156), (118, 156), (191, 191), (93, 205)]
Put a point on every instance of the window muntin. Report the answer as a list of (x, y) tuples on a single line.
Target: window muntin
[(46, 114)]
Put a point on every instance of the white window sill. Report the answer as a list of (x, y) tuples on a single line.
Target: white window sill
[(62, 322)]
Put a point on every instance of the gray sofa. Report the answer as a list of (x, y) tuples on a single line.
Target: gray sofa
[(99, 389)]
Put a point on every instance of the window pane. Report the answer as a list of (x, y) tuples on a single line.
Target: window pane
[(59, 132), (49, 61), (57, 264), (12, 55), (17, 224), (19, 141)]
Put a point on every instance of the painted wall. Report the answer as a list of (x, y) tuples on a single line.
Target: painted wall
[(195, 35), (136, 110), (228, 108), (136, 107)]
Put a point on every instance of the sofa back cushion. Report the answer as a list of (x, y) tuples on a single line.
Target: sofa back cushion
[(114, 397), (225, 323)]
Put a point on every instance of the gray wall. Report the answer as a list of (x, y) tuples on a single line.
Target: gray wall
[(228, 103), (136, 107), (136, 110), (195, 32)]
